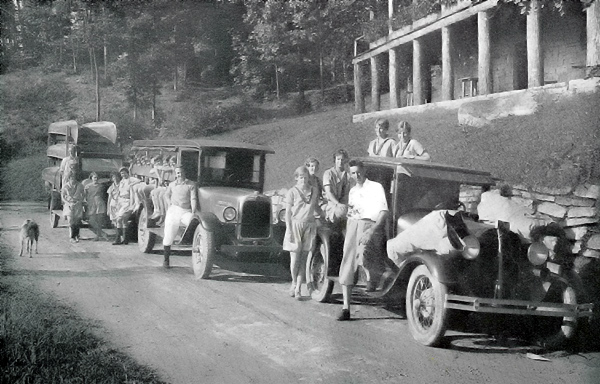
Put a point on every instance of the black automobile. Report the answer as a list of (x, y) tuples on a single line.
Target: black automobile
[(488, 268)]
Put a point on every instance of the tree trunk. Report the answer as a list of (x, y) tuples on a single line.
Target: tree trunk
[(74, 49), (105, 61), (97, 86), (175, 78), (277, 81), (321, 83)]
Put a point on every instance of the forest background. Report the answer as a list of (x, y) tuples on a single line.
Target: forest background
[(159, 68)]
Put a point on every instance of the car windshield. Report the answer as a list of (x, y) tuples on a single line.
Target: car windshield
[(423, 193), (231, 167)]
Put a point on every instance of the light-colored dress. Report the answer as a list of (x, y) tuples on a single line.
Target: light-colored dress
[(72, 195), (381, 148), (412, 148), (301, 232), (113, 198), (95, 200)]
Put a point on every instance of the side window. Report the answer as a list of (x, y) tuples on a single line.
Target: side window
[(189, 163)]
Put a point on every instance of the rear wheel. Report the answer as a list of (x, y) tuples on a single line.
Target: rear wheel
[(318, 276), (54, 218), (146, 238), (203, 252), (425, 310), (54, 203)]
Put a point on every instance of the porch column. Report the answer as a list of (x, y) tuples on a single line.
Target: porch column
[(394, 77), (484, 71), (375, 95), (359, 100), (535, 65), (593, 34), (417, 69), (447, 74), (391, 8)]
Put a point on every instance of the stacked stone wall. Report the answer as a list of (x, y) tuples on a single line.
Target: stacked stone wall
[(576, 209)]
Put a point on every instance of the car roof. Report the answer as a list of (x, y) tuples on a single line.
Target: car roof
[(431, 170), (199, 143)]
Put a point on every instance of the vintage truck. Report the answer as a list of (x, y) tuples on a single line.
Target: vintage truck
[(234, 216), (98, 151)]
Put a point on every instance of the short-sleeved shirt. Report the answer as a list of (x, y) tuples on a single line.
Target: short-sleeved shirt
[(124, 187), (301, 208), (182, 193), (366, 202), (338, 182), (382, 148), (412, 148), (68, 165)]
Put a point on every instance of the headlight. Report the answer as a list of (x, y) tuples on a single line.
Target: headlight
[(537, 253), (229, 213), (281, 215), (471, 247)]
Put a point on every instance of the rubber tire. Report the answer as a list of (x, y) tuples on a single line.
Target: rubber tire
[(54, 218), (568, 328), (145, 238), (317, 272), (427, 334), (203, 252)]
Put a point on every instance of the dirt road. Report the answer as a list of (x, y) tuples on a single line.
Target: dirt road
[(242, 327)]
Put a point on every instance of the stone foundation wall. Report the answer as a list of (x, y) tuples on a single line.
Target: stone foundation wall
[(576, 209)]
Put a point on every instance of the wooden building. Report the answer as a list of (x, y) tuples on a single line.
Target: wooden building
[(469, 49)]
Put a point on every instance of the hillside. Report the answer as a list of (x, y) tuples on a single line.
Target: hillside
[(558, 145)]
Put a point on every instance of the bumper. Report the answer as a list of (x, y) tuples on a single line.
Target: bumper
[(518, 307), (234, 249)]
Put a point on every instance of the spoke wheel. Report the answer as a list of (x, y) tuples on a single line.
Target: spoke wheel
[(146, 239), (317, 274), (54, 203), (558, 330), (425, 307), (203, 252)]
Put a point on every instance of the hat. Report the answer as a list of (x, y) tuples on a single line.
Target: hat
[(123, 169)]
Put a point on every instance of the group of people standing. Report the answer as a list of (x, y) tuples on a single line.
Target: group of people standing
[(349, 202), (179, 196), (406, 147)]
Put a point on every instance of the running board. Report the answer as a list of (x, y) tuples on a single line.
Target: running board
[(517, 307)]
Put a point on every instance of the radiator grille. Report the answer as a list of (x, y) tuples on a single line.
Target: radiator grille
[(256, 219)]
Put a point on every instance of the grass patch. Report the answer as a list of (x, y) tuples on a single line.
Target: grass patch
[(21, 179), (42, 341)]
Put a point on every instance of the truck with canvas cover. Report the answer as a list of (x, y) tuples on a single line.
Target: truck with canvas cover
[(97, 151)]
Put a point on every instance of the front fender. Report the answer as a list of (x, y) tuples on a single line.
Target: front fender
[(440, 267)]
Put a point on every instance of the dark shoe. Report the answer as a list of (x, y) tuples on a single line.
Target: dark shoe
[(118, 240), (344, 315), (167, 254)]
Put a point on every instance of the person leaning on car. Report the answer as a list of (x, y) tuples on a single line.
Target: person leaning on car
[(124, 206), (408, 147), (183, 203), (336, 185), (365, 233)]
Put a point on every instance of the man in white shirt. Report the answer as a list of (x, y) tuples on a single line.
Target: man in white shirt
[(364, 243), (183, 199)]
